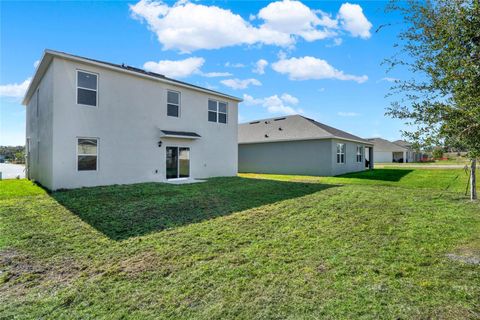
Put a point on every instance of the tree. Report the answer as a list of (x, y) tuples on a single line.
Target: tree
[(440, 45), (437, 153)]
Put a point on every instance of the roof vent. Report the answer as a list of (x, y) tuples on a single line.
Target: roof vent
[(254, 122), (267, 122), (266, 135), (278, 119), (280, 129)]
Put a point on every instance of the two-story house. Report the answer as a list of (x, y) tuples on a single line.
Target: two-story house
[(92, 123)]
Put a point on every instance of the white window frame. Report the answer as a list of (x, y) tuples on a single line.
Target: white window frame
[(343, 147), (217, 102), (179, 102), (77, 87), (359, 153), (82, 154)]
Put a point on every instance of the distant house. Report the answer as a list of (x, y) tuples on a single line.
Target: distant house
[(386, 151), (93, 123), (2, 158), (299, 145), (412, 155)]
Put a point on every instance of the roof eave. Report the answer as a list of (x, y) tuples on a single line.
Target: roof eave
[(307, 139), (51, 53)]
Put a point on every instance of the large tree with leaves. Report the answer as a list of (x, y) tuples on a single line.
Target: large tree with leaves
[(440, 45)]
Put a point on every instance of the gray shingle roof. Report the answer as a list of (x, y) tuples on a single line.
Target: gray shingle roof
[(403, 143), (290, 128), (385, 145)]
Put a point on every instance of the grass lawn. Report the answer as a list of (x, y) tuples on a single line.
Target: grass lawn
[(393, 244)]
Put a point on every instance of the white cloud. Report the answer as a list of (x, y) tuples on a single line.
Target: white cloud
[(388, 79), (354, 21), (240, 84), (306, 68), (348, 114), (216, 74), (36, 63), (260, 66), (336, 42), (295, 18), (15, 90), (287, 98), (188, 26), (275, 104), (175, 68), (234, 65)]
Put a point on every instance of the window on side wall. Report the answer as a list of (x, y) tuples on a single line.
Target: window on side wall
[(87, 154), (359, 153), (173, 103), (87, 88), (217, 111), (340, 152)]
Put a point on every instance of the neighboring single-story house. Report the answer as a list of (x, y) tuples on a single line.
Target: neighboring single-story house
[(299, 145), (386, 151), (412, 154), (93, 123)]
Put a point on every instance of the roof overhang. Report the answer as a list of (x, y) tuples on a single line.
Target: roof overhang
[(48, 56), (308, 139), (179, 134)]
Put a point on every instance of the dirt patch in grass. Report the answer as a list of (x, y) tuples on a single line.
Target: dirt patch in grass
[(469, 253), (19, 272)]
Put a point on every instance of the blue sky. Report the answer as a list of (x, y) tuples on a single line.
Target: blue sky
[(318, 58)]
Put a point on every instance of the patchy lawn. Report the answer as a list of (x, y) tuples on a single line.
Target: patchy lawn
[(388, 244)]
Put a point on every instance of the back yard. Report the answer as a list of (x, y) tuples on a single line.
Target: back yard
[(393, 243)]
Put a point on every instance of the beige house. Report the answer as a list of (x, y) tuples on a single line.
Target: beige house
[(93, 123)]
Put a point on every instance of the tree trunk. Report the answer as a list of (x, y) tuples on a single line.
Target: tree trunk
[(473, 182)]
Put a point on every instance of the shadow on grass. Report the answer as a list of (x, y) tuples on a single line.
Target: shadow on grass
[(125, 211), (379, 174)]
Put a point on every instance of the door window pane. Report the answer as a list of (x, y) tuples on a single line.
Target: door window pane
[(184, 162), (172, 162)]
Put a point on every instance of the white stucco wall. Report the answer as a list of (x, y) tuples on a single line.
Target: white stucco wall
[(382, 156), (39, 131), (127, 120)]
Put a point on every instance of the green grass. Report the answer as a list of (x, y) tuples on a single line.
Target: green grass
[(371, 245), (438, 179)]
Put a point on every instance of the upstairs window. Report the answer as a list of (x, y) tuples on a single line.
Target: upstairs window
[(340, 152), (173, 103), (359, 153), (87, 153), (87, 88), (217, 111)]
